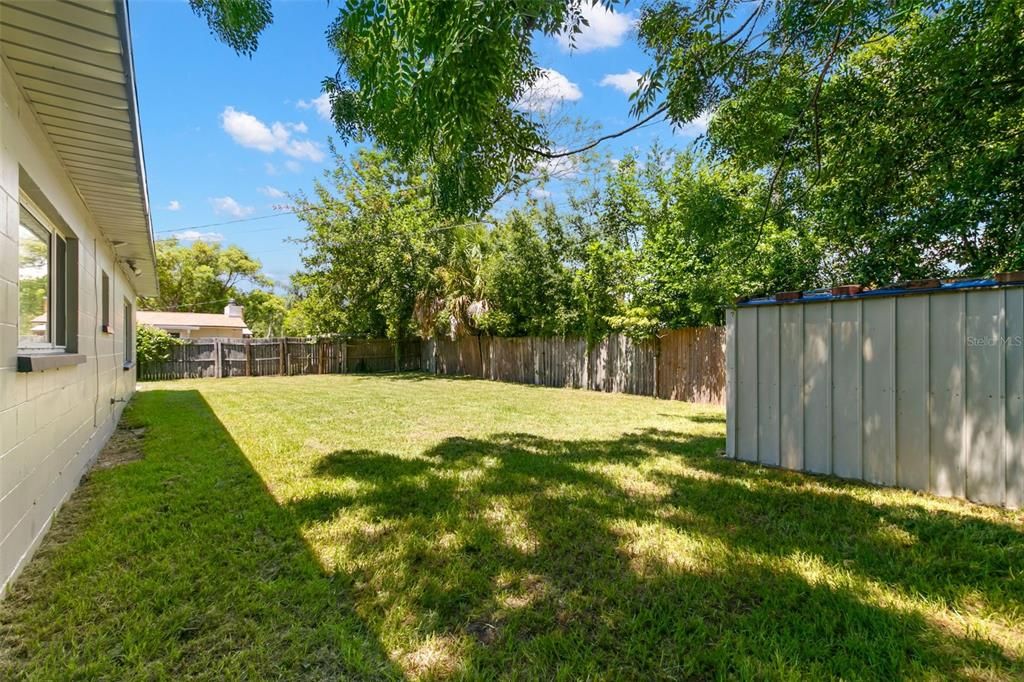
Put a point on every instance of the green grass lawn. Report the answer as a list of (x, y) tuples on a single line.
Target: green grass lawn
[(347, 527)]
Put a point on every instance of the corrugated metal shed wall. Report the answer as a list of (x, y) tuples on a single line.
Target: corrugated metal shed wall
[(919, 391)]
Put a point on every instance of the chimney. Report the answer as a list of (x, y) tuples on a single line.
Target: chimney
[(232, 309)]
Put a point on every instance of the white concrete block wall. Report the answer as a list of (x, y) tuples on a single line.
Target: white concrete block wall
[(53, 423)]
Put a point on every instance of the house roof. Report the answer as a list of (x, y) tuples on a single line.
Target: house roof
[(159, 318), (73, 63)]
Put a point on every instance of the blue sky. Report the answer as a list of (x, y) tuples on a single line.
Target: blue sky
[(226, 137)]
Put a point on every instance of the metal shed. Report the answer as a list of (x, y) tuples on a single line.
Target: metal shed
[(917, 388)]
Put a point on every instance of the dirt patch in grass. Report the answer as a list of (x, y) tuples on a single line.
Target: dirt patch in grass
[(486, 631), (123, 447)]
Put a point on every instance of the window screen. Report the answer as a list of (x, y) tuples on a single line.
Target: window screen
[(129, 334), (105, 312)]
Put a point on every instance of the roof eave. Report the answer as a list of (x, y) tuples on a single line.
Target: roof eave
[(128, 59)]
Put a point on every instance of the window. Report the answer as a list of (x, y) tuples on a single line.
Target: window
[(105, 312), (129, 334), (43, 283)]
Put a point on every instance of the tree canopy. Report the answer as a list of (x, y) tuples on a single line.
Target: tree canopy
[(202, 277), (855, 140), (371, 245), (895, 128), (638, 250)]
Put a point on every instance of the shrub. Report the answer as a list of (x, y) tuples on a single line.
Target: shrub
[(154, 345)]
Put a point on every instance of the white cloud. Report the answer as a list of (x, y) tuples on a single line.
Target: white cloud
[(304, 149), (322, 106), (561, 167), (197, 236), (249, 131), (549, 90), (272, 192), (627, 82), (292, 166), (538, 193), (606, 28), (695, 127), (173, 205), (228, 206)]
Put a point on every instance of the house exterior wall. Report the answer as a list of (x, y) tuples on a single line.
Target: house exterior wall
[(212, 333), (921, 391), (52, 423)]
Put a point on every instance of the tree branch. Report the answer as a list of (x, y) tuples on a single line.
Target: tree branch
[(544, 153)]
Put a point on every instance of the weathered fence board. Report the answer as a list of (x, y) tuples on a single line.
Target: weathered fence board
[(691, 365), (189, 361), (681, 364), (378, 355), (278, 357)]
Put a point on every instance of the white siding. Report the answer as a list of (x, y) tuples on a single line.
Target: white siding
[(817, 387), (879, 378), (925, 391), (913, 442), (746, 389), (52, 423), (791, 373), (846, 390), (768, 386), (984, 399), (1013, 445), (947, 347)]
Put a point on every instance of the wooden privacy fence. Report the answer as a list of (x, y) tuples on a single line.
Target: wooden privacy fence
[(284, 356), (681, 364)]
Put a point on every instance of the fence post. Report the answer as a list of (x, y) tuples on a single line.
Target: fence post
[(283, 348), (657, 365), (247, 344)]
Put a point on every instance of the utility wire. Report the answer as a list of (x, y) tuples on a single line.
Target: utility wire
[(293, 211), (228, 222)]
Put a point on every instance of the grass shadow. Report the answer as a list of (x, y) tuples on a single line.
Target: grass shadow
[(181, 565), (537, 555), (498, 555), (697, 418)]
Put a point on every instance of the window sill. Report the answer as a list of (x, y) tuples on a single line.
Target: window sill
[(39, 362)]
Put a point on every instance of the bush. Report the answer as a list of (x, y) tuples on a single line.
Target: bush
[(154, 345)]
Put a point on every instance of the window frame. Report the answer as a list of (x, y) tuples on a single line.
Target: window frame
[(105, 301), (129, 334), (58, 298)]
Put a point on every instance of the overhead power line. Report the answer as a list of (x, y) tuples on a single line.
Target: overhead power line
[(297, 212), (225, 222)]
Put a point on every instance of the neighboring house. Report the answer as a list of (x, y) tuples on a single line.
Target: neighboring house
[(76, 250), (229, 325)]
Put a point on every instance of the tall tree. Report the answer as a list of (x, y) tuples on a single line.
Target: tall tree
[(525, 283), (893, 125), (905, 150), (372, 245), (265, 313), (201, 277)]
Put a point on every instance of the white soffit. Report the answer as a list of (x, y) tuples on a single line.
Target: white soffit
[(73, 62)]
